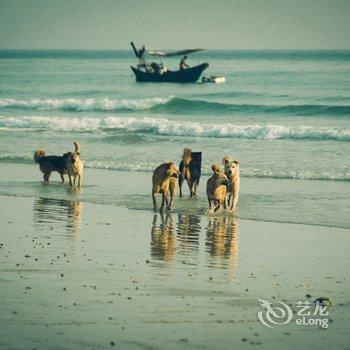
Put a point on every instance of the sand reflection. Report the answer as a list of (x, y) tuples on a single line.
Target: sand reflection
[(222, 241), (189, 242), (163, 233), (188, 232), (50, 213)]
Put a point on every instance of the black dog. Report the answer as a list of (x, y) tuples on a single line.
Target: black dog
[(48, 164), (190, 170)]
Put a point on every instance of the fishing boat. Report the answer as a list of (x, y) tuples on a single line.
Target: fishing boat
[(157, 73)]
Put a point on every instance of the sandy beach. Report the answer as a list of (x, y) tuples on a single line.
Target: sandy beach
[(78, 275), (95, 268)]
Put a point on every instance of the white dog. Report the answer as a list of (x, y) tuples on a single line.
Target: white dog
[(233, 175), (75, 166)]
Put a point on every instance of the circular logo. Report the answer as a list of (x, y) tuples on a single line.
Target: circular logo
[(274, 315)]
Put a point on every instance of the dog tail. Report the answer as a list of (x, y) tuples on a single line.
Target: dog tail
[(77, 148), (38, 155)]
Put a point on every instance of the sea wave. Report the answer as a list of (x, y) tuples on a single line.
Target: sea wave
[(172, 105), (192, 106), (82, 105), (163, 126), (143, 166), (245, 172)]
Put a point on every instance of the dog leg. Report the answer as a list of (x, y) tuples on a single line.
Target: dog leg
[(164, 199), (80, 180), (195, 188), (235, 201), (172, 189), (209, 202), (62, 177), (217, 206), (231, 203), (190, 186), (229, 198), (181, 180), (70, 179), (170, 203), (47, 176), (154, 202)]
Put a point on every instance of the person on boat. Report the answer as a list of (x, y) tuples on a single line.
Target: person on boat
[(183, 64)]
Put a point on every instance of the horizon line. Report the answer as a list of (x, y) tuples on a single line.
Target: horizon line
[(205, 49)]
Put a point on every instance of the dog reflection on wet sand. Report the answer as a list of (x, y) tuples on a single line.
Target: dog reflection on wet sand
[(222, 241), (163, 245), (188, 231), (53, 212)]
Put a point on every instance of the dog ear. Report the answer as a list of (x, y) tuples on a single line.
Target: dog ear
[(216, 168), (237, 161), (226, 159), (187, 151)]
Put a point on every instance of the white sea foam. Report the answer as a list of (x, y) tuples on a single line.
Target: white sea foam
[(246, 172), (163, 126), (88, 104), (145, 166)]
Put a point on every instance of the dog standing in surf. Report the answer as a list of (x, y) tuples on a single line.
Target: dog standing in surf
[(164, 180), (190, 170), (75, 167), (217, 188), (48, 164), (233, 174)]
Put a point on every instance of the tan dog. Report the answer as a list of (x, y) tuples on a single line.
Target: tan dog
[(75, 166), (164, 180), (217, 188), (233, 174)]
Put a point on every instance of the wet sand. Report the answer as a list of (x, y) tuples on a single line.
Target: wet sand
[(90, 276)]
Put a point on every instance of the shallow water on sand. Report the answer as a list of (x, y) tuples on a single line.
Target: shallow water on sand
[(276, 200)]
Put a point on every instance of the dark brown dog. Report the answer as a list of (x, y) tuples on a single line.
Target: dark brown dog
[(190, 170)]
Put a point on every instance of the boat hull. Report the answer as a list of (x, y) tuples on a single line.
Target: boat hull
[(189, 75)]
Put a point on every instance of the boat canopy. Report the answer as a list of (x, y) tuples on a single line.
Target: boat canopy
[(158, 53)]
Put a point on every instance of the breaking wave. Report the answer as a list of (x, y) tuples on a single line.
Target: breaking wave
[(82, 105), (191, 106), (171, 105), (163, 126)]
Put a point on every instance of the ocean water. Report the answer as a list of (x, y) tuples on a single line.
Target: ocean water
[(284, 114)]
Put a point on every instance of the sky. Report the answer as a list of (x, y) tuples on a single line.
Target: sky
[(211, 24)]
